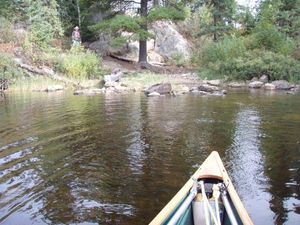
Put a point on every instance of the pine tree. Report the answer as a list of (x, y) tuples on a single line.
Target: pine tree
[(221, 13), (143, 13)]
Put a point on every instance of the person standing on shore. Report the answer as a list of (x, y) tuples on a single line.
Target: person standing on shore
[(76, 39)]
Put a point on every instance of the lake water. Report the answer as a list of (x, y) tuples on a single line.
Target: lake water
[(118, 159)]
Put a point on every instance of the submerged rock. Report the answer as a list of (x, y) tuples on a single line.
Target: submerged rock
[(162, 89), (51, 88), (89, 92)]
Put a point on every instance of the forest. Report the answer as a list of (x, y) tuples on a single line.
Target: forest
[(229, 40)]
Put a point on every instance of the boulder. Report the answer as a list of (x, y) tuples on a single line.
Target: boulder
[(115, 76), (269, 86), (296, 88), (214, 82), (155, 58), (207, 88), (254, 79), (197, 92), (180, 89), (102, 45), (153, 94), (255, 84), (281, 85), (169, 42), (224, 92), (264, 78), (162, 89), (237, 84)]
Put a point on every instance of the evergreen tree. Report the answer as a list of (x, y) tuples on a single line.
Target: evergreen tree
[(141, 14), (221, 16)]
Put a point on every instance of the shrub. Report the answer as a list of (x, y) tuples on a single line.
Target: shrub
[(226, 49), (254, 64), (44, 23), (266, 36), (8, 69), (79, 64), (6, 31), (178, 59)]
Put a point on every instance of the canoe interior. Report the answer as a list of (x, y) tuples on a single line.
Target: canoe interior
[(212, 171), (187, 217)]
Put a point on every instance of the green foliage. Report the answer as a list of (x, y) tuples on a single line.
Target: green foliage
[(78, 63), (217, 19), (8, 68), (6, 31), (268, 37), (167, 13), (233, 58), (254, 64), (227, 49), (178, 59), (43, 22), (117, 24), (246, 19)]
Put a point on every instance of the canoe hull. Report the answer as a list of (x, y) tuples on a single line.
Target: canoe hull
[(212, 168)]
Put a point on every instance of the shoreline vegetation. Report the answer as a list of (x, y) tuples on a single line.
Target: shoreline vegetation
[(250, 50)]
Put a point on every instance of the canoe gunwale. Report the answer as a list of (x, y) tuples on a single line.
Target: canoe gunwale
[(212, 168)]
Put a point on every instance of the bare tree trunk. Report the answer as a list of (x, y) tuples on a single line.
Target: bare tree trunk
[(155, 2), (78, 13), (215, 26), (143, 43)]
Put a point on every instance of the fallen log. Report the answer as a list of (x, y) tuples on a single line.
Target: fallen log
[(44, 71)]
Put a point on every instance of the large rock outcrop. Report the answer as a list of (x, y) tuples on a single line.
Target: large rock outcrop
[(167, 44)]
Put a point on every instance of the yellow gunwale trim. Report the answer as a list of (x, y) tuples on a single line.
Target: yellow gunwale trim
[(212, 167)]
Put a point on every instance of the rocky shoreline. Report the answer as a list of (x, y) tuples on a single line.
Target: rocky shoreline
[(189, 85), (169, 84)]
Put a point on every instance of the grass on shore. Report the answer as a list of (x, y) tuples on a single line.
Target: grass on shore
[(33, 83)]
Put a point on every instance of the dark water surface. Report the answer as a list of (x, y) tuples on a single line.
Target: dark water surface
[(119, 159)]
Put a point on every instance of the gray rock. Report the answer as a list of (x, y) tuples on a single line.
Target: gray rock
[(180, 89), (269, 86), (214, 82), (197, 92), (255, 84), (281, 85), (115, 76), (264, 78), (169, 42), (254, 79), (162, 89), (296, 88), (237, 84), (208, 88), (153, 94)]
